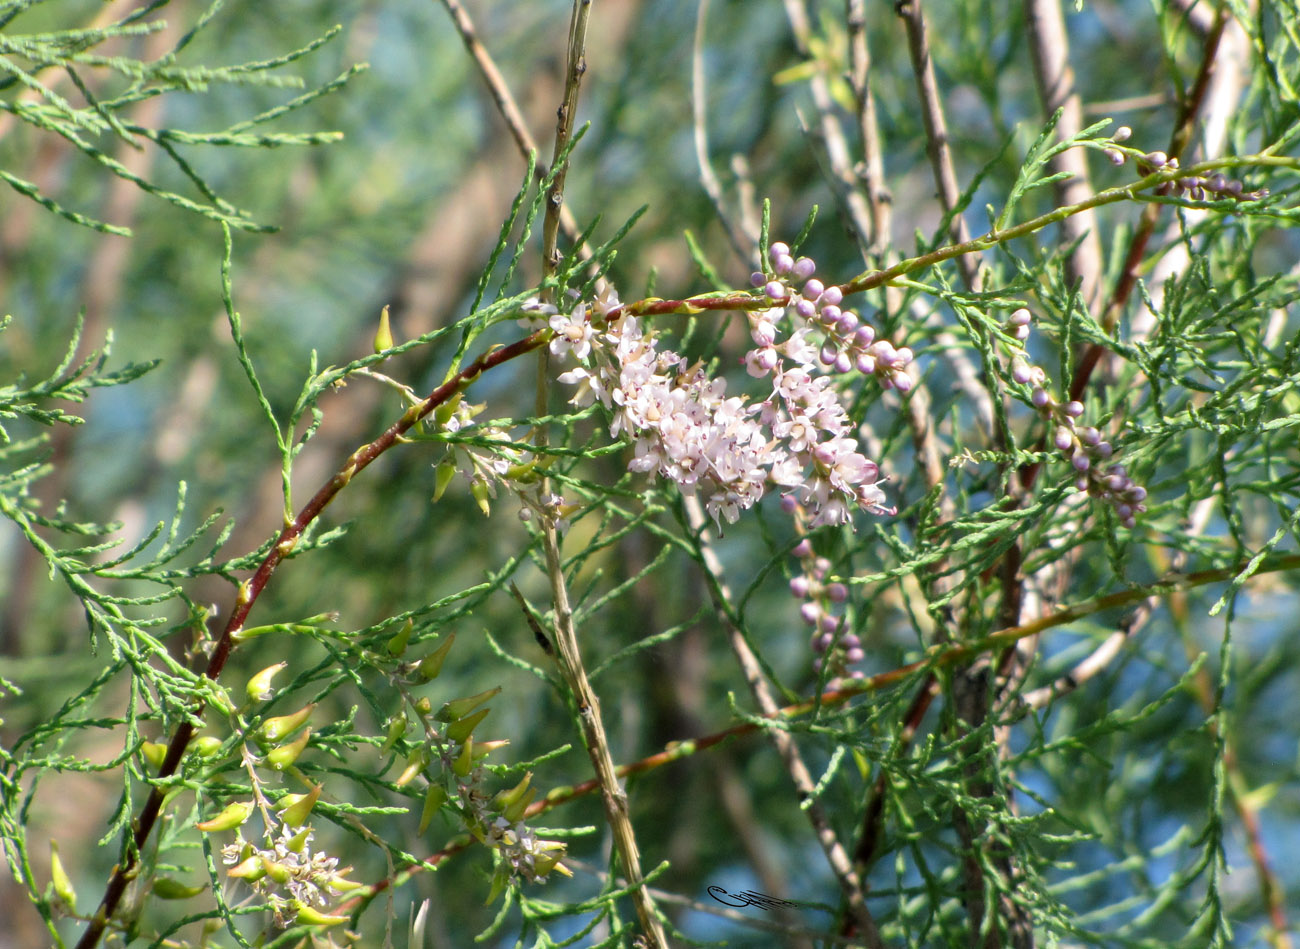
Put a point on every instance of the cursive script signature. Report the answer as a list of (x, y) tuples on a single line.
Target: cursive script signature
[(747, 898)]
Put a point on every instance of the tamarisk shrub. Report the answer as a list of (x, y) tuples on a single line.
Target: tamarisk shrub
[(897, 527)]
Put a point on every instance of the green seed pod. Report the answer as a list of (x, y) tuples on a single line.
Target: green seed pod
[(205, 746), (397, 645), (482, 494), (259, 686), (280, 727), (515, 811), (461, 729), (396, 729), (280, 758), (384, 335), (59, 879), (278, 872), (154, 753), (310, 917), (232, 816), (431, 664), (434, 798), (295, 808), (459, 708), (464, 762), (252, 869), (338, 884), (299, 840), (442, 476), (503, 799), (167, 888), (414, 765), (484, 748)]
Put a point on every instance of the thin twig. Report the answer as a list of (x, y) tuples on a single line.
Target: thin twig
[(850, 882)]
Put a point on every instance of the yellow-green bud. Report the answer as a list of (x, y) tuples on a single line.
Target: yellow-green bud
[(384, 335), (434, 798), (414, 765), (251, 869), (442, 476), (259, 686), (278, 872), (205, 746), (298, 840), (154, 753), (464, 762), (462, 728), (423, 705), (280, 758), (443, 413), (397, 645), (485, 748), (295, 808), (341, 885), (396, 729), (59, 879), (282, 726), (431, 664), (481, 493), (549, 859), (230, 817), (459, 708), (167, 888), (504, 799), (311, 917)]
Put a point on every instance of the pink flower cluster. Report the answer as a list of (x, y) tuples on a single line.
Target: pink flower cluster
[(1082, 445), (835, 646), (726, 448)]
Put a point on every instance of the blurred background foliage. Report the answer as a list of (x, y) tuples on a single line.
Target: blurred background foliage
[(402, 210)]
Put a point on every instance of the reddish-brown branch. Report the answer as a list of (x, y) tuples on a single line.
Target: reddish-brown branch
[(251, 589)]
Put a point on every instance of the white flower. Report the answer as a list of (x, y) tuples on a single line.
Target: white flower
[(572, 333)]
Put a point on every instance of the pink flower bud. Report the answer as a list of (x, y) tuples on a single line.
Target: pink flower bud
[(901, 381), (783, 264), (805, 308), (832, 295), (1062, 439), (799, 586), (775, 290), (830, 314), (804, 267), (803, 549), (778, 250), (837, 592), (1073, 409), (1039, 397), (847, 323), (864, 336), (811, 613), (757, 278), (812, 290), (842, 362), (1122, 134)]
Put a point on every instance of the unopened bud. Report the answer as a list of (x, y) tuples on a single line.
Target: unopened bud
[(397, 645), (154, 753), (462, 728), (60, 880), (295, 808), (481, 494), (431, 665), (259, 686), (250, 870), (167, 888), (442, 476), (280, 758), (464, 762), (298, 840), (434, 798), (459, 708), (384, 335), (230, 817), (396, 729), (414, 765), (311, 917), (274, 729)]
